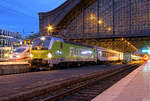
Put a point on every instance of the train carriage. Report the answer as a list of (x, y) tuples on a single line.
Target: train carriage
[(20, 54), (107, 55)]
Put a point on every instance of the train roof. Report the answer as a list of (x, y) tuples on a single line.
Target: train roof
[(55, 38), (104, 49), (79, 44), (62, 40), (23, 47)]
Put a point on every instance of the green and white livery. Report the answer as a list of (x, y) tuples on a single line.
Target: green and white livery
[(50, 51)]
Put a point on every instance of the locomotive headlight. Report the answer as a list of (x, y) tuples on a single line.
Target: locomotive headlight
[(43, 38), (31, 55), (11, 56), (49, 55), (6, 55), (18, 56)]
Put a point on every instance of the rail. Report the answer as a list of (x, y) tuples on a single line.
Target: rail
[(82, 83)]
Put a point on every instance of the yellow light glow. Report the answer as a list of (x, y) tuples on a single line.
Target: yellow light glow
[(11, 56), (18, 56), (43, 38), (131, 45), (31, 55), (100, 21), (49, 28), (109, 29), (92, 17), (49, 55), (6, 55)]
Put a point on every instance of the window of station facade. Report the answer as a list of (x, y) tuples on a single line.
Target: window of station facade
[(107, 16), (75, 26), (91, 19), (7, 41)]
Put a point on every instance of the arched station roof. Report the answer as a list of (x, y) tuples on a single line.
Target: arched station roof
[(56, 15)]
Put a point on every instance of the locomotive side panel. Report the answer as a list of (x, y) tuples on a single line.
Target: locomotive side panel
[(74, 53)]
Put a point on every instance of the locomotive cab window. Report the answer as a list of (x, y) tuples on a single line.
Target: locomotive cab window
[(41, 43)]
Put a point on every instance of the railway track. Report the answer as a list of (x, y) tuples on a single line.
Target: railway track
[(84, 89)]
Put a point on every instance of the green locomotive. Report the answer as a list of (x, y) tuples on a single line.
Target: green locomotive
[(51, 51)]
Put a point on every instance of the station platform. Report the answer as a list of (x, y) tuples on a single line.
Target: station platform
[(20, 85), (13, 63), (14, 67), (134, 87)]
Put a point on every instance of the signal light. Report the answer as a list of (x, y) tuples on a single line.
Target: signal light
[(146, 57)]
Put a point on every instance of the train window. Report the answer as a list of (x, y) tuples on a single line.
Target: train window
[(76, 52), (19, 50), (43, 44), (46, 44), (61, 45), (100, 53), (71, 51), (107, 54), (1, 42), (104, 54)]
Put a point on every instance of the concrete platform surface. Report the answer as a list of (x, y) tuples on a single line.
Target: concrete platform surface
[(15, 84), (12, 63), (134, 87), (14, 67)]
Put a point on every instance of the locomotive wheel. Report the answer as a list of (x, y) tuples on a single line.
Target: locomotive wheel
[(78, 64)]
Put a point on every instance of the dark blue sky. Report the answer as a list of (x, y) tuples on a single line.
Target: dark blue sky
[(16, 15)]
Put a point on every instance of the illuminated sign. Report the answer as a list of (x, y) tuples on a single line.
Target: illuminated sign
[(146, 51)]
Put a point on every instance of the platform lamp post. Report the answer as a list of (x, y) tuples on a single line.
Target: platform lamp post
[(50, 29)]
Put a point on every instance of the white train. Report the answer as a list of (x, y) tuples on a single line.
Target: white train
[(20, 54), (107, 55)]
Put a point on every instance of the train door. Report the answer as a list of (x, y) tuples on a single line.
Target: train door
[(62, 50), (59, 50), (127, 58), (1, 53), (98, 53), (27, 54), (71, 51)]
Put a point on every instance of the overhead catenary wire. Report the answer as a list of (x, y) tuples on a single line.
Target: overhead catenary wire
[(15, 12), (6, 10)]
